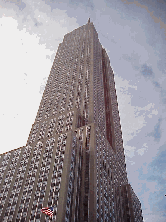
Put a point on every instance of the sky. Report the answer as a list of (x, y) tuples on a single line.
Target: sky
[(134, 36)]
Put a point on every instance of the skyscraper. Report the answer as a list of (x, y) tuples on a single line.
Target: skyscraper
[(74, 158)]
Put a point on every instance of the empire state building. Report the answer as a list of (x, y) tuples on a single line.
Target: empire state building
[(74, 157)]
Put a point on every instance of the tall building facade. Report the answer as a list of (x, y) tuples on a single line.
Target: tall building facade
[(74, 157)]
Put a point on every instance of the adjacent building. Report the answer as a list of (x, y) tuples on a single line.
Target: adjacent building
[(74, 157)]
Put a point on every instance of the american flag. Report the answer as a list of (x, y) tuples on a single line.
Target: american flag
[(48, 211)]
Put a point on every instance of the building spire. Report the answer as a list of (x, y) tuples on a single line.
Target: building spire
[(89, 20)]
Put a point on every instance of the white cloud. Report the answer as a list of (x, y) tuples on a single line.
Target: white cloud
[(131, 162), (142, 150), (154, 112), (133, 118), (130, 151)]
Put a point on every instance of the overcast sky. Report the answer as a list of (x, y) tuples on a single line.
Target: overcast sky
[(134, 36)]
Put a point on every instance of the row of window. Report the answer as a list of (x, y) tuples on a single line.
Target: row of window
[(9, 211), (71, 182)]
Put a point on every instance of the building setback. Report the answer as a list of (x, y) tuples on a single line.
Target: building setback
[(74, 157)]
